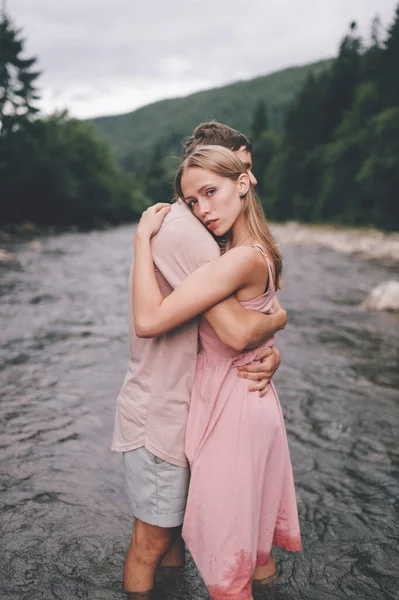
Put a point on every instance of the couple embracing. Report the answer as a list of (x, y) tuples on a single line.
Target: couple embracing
[(205, 454)]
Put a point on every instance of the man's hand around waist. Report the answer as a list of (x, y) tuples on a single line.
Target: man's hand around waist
[(279, 311), (261, 370)]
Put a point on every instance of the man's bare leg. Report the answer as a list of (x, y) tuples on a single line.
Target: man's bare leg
[(147, 547), (175, 556), (171, 566)]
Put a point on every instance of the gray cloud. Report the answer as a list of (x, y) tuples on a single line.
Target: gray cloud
[(91, 51)]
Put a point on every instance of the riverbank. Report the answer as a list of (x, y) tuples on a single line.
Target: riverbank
[(369, 243)]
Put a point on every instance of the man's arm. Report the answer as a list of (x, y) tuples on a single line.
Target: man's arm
[(182, 246), (179, 249), (261, 369), (242, 328)]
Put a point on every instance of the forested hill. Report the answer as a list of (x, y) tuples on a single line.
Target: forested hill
[(325, 141), (164, 124)]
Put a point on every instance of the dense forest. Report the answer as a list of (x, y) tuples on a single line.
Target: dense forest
[(338, 157), (325, 139), (53, 170)]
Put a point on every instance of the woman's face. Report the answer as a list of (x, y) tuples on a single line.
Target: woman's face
[(214, 200)]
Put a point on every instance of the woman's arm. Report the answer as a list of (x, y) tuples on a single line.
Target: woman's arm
[(242, 328), (211, 283)]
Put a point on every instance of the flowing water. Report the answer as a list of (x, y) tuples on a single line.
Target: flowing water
[(65, 522)]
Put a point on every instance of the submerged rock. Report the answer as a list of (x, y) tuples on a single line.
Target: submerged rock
[(6, 256), (383, 297), (35, 245)]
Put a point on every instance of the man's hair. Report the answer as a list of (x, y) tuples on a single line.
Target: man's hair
[(215, 134)]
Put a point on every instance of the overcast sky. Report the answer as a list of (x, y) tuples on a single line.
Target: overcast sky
[(111, 56)]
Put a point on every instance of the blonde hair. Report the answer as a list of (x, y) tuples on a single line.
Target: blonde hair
[(225, 163)]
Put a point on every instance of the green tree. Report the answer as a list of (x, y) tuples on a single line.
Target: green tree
[(340, 198), (17, 80), (264, 149), (282, 177), (69, 177), (378, 177), (372, 67), (159, 178), (391, 63), (54, 171), (259, 121), (341, 84), (304, 121)]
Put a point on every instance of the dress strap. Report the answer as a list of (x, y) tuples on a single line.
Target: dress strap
[(269, 266)]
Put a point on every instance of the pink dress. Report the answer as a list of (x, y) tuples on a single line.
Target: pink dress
[(242, 498)]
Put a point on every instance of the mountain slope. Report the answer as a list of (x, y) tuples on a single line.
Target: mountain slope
[(167, 122)]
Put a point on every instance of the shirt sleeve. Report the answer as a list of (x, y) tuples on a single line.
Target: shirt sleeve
[(181, 247)]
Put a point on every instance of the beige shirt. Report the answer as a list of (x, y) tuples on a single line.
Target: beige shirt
[(152, 406)]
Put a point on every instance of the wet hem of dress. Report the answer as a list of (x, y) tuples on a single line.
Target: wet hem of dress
[(246, 596), (291, 544)]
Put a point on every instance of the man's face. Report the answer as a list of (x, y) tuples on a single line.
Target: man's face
[(246, 158)]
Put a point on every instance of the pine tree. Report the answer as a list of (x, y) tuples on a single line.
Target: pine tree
[(372, 60), (391, 62), (344, 77), (17, 80), (260, 121)]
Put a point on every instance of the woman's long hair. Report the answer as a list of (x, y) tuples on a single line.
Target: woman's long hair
[(225, 163)]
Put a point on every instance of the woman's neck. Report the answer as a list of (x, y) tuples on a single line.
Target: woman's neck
[(240, 233)]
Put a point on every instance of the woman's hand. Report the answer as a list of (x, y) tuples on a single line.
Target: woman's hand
[(152, 219)]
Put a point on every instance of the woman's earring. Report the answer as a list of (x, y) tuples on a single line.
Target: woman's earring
[(242, 195)]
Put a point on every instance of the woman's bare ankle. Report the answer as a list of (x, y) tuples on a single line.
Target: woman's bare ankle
[(264, 571)]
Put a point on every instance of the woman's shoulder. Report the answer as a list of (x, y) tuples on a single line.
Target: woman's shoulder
[(253, 253), (248, 263), (247, 257)]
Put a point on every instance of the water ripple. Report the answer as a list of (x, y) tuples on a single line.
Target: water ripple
[(65, 522)]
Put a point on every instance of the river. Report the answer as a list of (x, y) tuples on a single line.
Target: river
[(65, 522)]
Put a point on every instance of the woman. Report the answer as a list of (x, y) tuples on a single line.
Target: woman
[(242, 498)]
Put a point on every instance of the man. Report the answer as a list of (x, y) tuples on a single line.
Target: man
[(153, 404)]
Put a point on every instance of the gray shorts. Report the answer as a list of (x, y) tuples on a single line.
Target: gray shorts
[(157, 490)]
